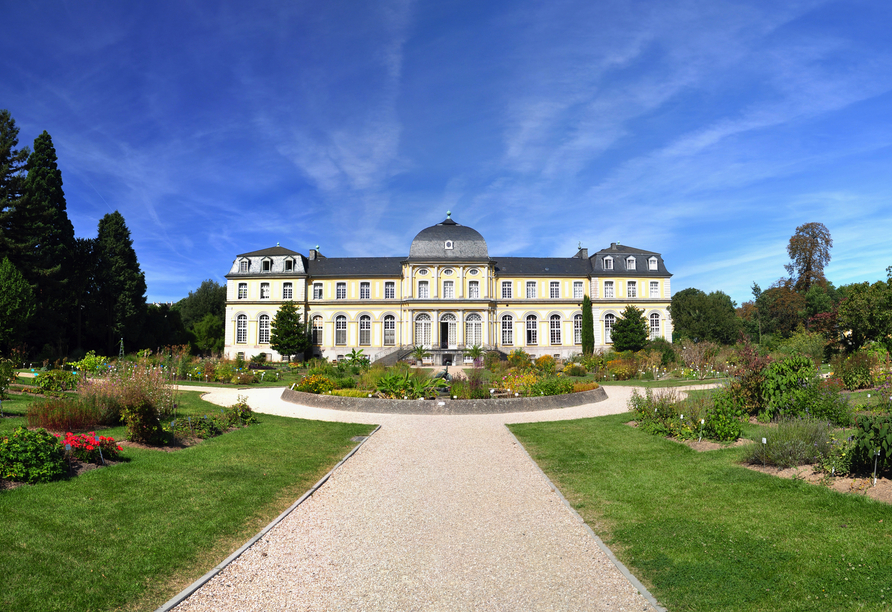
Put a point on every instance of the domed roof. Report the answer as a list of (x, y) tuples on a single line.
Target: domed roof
[(449, 240)]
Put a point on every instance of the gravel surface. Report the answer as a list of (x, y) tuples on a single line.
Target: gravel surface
[(432, 513)]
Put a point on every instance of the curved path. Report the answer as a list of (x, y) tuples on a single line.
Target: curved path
[(432, 513)]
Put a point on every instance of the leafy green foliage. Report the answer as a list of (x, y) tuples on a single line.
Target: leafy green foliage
[(855, 370), (518, 358), (873, 433), (91, 363), (866, 314), (208, 334), (793, 442), (713, 416), (16, 304), (57, 380), (315, 383), (809, 251), (7, 375), (288, 335), (630, 330), (31, 456), (786, 384), (748, 376), (722, 420), (588, 327), (699, 317), (142, 421)]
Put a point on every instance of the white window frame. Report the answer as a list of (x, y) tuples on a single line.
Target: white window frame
[(608, 263), (609, 322), (531, 290), (243, 291), (317, 291), (473, 290), (451, 330), (507, 290), (554, 290), (389, 290), (365, 290), (423, 290), (554, 328), (341, 291), (263, 329), (241, 329), (653, 264), (318, 327), (608, 289), (654, 289), (389, 330), (266, 265), (448, 289), (289, 265), (341, 330), (423, 330), (365, 330), (578, 290), (448, 245), (473, 330), (577, 329), (654, 325), (244, 266), (631, 289), (287, 291), (507, 330), (532, 330), (630, 263), (264, 291)]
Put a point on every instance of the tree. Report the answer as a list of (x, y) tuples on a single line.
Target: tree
[(588, 327), (630, 330), (16, 304), (781, 309), (866, 314), (288, 336), (120, 284), (809, 251), (208, 334), (209, 298), (700, 317), (12, 164)]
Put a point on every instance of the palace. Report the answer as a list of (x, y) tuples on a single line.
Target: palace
[(447, 295)]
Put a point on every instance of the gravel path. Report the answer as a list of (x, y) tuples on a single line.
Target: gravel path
[(432, 513)]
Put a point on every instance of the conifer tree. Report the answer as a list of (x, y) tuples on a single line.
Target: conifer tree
[(12, 164), (630, 330), (16, 305), (588, 327), (288, 337)]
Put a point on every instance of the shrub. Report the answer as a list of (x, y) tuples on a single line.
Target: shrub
[(722, 420), (223, 371), (477, 385), (550, 385), (856, 370), (622, 369), (460, 389), (872, 433), (142, 421), (748, 375), (65, 414), (546, 364), (666, 349), (823, 401), (31, 456), (786, 385), (240, 413), (794, 442), (57, 380), (575, 369), (91, 449), (7, 375), (518, 358), (243, 378), (839, 457), (345, 382), (259, 358), (91, 364), (352, 392), (315, 384), (584, 386), (713, 416)]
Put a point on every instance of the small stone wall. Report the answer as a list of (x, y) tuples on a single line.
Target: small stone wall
[(444, 406)]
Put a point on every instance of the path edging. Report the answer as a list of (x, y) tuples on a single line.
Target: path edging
[(189, 590), (619, 565)]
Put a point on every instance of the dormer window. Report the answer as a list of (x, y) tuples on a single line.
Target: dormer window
[(266, 265), (243, 266), (289, 265), (608, 263), (630, 263), (448, 245), (652, 263)]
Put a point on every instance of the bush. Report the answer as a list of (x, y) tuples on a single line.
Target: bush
[(722, 420), (747, 373), (31, 456), (518, 358), (65, 414), (259, 359), (7, 375), (141, 418), (668, 354), (872, 433), (491, 360), (824, 402), (315, 384), (794, 442), (243, 378), (352, 392), (584, 386), (622, 369), (57, 380), (575, 369), (787, 383), (90, 364), (91, 449), (856, 370), (345, 382), (546, 364), (550, 385), (713, 416)]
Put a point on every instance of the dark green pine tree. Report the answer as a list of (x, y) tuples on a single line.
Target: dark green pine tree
[(44, 241), (630, 330), (12, 165), (16, 305), (588, 327), (120, 285), (289, 336)]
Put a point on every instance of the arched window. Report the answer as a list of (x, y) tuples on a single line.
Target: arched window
[(473, 330), (654, 325), (241, 329), (532, 330), (341, 330), (423, 330), (609, 320), (365, 330), (554, 326), (263, 329), (577, 329), (507, 330), (317, 330), (389, 330), (448, 325)]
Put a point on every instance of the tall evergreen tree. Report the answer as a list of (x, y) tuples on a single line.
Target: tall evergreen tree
[(12, 165), (120, 284), (16, 305), (630, 330), (82, 288), (289, 336), (588, 327)]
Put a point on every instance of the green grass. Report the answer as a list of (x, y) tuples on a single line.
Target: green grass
[(704, 533), (134, 534)]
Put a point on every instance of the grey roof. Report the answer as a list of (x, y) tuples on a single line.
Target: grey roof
[(543, 266), (355, 266), (270, 252), (620, 253), (430, 243)]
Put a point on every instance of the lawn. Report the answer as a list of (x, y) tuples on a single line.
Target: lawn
[(134, 534), (704, 533)]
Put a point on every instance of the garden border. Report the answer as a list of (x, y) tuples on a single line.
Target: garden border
[(189, 590), (445, 406)]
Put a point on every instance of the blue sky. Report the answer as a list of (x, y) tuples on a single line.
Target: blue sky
[(707, 130)]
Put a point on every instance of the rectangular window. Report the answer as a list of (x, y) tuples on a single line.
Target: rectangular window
[(554, 290), (448, 289), (341, 291), (423, 292), (243, 291), (474, 290), (506, 290), (287, 291), (632, 289), (652, 263), (654, 289), (531, 290), (267, 265), (630, 263), (608, 289), (264, 291), (289, 265), (608, 263), (317, 291), (243, 266), (365, 291), (578, 292), (507, 330), (389, 290)]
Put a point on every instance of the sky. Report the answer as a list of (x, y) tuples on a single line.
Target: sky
[(707, 131)]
